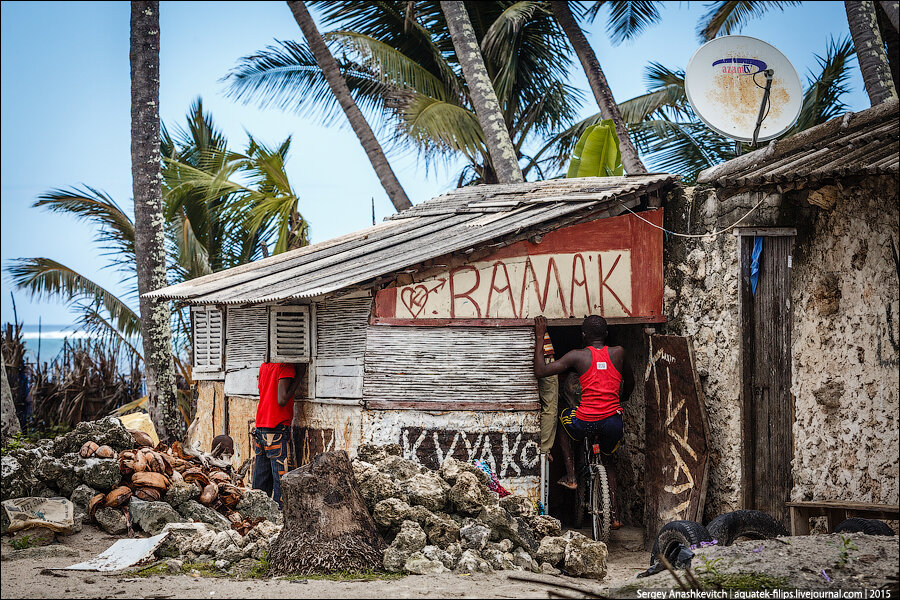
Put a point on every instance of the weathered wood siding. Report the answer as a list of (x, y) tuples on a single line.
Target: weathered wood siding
[(458, 368), (246, 337), (341, 346)]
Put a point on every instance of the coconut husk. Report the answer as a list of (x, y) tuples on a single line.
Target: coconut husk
[(105, 452), (118, 497), (95, 503), (196, 475), (142, 439), (150, 479), (209, 494), (148, 493), (88, 449), (219, 477), (230, 495)]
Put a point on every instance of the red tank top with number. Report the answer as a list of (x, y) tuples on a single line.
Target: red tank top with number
[(599, 387)]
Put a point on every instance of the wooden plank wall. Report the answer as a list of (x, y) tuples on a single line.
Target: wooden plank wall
[(341, 346), (462, 368)]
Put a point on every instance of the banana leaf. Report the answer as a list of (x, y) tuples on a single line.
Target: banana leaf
[(597, 152)]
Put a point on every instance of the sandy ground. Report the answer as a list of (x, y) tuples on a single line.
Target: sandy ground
[(27, 574)]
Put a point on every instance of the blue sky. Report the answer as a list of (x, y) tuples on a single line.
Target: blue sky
[(65, 109)]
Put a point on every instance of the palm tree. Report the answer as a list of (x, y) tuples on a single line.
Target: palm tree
[(149, 238), (402, 69), (873, 61), (599, 86), (481, 92), (340, 90), (211, 223), (674, 140)]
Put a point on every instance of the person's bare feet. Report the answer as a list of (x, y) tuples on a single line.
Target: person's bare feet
[(568, 482)]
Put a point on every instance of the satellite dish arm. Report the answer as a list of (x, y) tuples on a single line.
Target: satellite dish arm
[(762, 107)]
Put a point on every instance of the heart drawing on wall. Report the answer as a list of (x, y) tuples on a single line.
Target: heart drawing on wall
[(414, 299)]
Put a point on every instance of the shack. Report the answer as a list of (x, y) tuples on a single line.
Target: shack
[(763, 326), (419, 330)]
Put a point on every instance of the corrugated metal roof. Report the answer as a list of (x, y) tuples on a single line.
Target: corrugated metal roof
[(462, 219), (863, 143)]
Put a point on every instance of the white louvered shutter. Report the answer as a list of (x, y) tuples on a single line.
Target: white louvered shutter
[(208, 339), (289, 334)]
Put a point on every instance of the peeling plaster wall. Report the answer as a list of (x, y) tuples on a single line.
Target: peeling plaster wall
[(844, 296), (845, 348), (508, 441)]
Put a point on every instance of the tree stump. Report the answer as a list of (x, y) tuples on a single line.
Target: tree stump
[(327, 528)]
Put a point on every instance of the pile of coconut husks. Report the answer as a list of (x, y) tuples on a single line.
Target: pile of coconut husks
[(117, 478), (148, 473)]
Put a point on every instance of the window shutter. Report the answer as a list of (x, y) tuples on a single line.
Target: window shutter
[(247, 337), (208, 339), (289, 334)]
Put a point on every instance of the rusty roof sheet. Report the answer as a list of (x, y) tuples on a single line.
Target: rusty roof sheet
[(461, 219), (863, 143)]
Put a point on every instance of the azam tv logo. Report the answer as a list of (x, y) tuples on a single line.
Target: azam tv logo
[(741, 66)]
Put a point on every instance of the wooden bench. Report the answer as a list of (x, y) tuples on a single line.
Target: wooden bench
[(837, 511)]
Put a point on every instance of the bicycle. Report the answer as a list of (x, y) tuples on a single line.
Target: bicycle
[(593, 489)]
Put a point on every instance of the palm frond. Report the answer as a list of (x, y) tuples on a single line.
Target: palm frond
[(115, 229), (499, 45), (287, 76), (394, 68), (433, 124), (824, 90), (685, 148), (724, 18), (44, 278), (626, 19), (91, 320)]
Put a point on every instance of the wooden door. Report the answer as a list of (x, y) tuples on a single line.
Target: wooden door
[(677, 450), (768, 407)]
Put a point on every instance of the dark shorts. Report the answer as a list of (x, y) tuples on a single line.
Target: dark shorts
[(607, 432)]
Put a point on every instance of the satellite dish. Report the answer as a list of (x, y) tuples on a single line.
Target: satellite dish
[(726, 82)]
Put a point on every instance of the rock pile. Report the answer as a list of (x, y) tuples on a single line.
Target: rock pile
[(98, 466), (449, 520)]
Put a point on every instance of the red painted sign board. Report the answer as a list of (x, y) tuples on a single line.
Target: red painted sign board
[(611, 267)]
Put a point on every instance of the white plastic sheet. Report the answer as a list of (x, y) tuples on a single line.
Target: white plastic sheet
[(122, 554)]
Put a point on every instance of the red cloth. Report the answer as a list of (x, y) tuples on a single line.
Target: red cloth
[(599, 387), (268, 413)]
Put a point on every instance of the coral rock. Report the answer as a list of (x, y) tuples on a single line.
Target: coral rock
[(426, 489)]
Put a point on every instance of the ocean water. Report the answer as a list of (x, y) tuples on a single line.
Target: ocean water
[(49, 341)]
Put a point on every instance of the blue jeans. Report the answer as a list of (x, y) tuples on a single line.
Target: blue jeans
[(270, 452), (608, 432)]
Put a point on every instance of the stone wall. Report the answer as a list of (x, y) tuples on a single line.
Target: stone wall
[(846, 304), (844, 293)]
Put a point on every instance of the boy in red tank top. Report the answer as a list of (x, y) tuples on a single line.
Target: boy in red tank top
[(606, 380)]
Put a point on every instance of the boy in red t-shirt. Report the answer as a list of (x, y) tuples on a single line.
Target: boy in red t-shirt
[(278, 382)]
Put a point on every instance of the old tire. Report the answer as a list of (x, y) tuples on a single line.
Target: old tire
[(675, 534), (867, 526), (752, 524)]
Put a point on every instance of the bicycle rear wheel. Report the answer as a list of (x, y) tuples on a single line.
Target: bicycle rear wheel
[(601, 507)]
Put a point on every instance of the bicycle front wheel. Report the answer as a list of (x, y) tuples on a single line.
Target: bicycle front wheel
[(601, 506)]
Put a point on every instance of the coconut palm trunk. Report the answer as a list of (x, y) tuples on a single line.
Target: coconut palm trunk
[(891, 8), (604, 96), (870, 54), (481, 92), (358, 122), (149, 241)]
